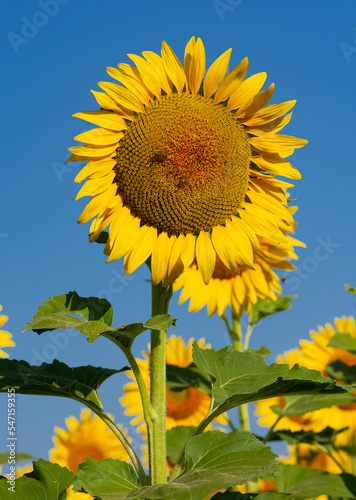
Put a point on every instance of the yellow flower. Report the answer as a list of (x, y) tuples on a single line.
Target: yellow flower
[(238, 290), (89, 437), (182, 166), (309, 456), (316, 355), (5, 337), (187, 407)]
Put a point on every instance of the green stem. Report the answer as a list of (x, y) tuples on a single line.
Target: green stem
[(269, 433), (247, 337), (127, 446), (157, 433)]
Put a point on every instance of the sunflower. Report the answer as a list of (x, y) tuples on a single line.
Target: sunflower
[(89, 437), (239, 290), (182, 166), (187, 407), (5, 337), (317, 355)]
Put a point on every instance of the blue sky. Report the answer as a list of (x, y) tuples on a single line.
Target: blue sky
[(51, 62)]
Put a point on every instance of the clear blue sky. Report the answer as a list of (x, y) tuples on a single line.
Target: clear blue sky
[(51, 62)]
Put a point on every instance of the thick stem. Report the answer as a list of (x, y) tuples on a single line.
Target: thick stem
[(157, 434)]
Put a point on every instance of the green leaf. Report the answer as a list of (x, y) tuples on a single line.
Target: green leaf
[(19, 457), (350, 288), (107, 479), (341, 372), (262, 351), (95, 319), (176, 439), (343, 341), (47, 481), (304, 482), (264, 308), (235, 495), (179, 378), (55, 379), (103, 237), (324, 438), (241, 377), (299, 405)]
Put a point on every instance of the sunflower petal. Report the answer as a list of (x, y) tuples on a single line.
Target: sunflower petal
[(232, 81), (206, 256), (142, 250), (269, 113), (97, 204), (122, 96), (105, 119), (216, 73), (148, 75), (255, 104), (99, 137), (173, 67), (194, 64), (247, 90)]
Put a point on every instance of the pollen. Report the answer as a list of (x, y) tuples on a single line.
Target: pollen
[(183, 165)]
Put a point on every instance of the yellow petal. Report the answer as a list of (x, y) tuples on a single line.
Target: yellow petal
[(255, 104), (269, 113), (89, 152), (160, 257), (105, 119), (194, 64), (216, 73), (272, 126), (96, 186), (175, 264), (106, 102), (124, 231), (247, 90), (284, 145), (148, 75), (243, 248), (232, 81), (276, 166), (254, 241), (188, 250), (122, 96), (156, 62), (95, 169), (225, 247), (173, 67), (142, 249), (256, 219), (131, 83), (99, 136), (206, 256), (97, 204), (102, 221)]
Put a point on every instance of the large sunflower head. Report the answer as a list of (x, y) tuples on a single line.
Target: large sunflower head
[(238, 290), (182, 165), (187, 407), (88, 437), (5, 337)]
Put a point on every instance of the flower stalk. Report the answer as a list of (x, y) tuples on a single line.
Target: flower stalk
[(157, 430)]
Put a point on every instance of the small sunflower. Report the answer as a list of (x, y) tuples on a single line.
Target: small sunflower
[(187, 407), (317, 355), (89, 437), (5, 337), (238, 290), (182, 165)]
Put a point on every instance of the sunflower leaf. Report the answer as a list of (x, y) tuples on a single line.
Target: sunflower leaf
[(236, 495), (95, 319), (176, 439), (264, 308), (19, 457), (343, 341), (341, 372), (103, 237), (55, 379), (180, 378), (304, 482), (324, 438), (241, 377), (350, 288), (299, 405), (46, 481), (107, 479)]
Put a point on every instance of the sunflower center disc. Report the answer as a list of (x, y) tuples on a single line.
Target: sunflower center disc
[(183, 165)]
